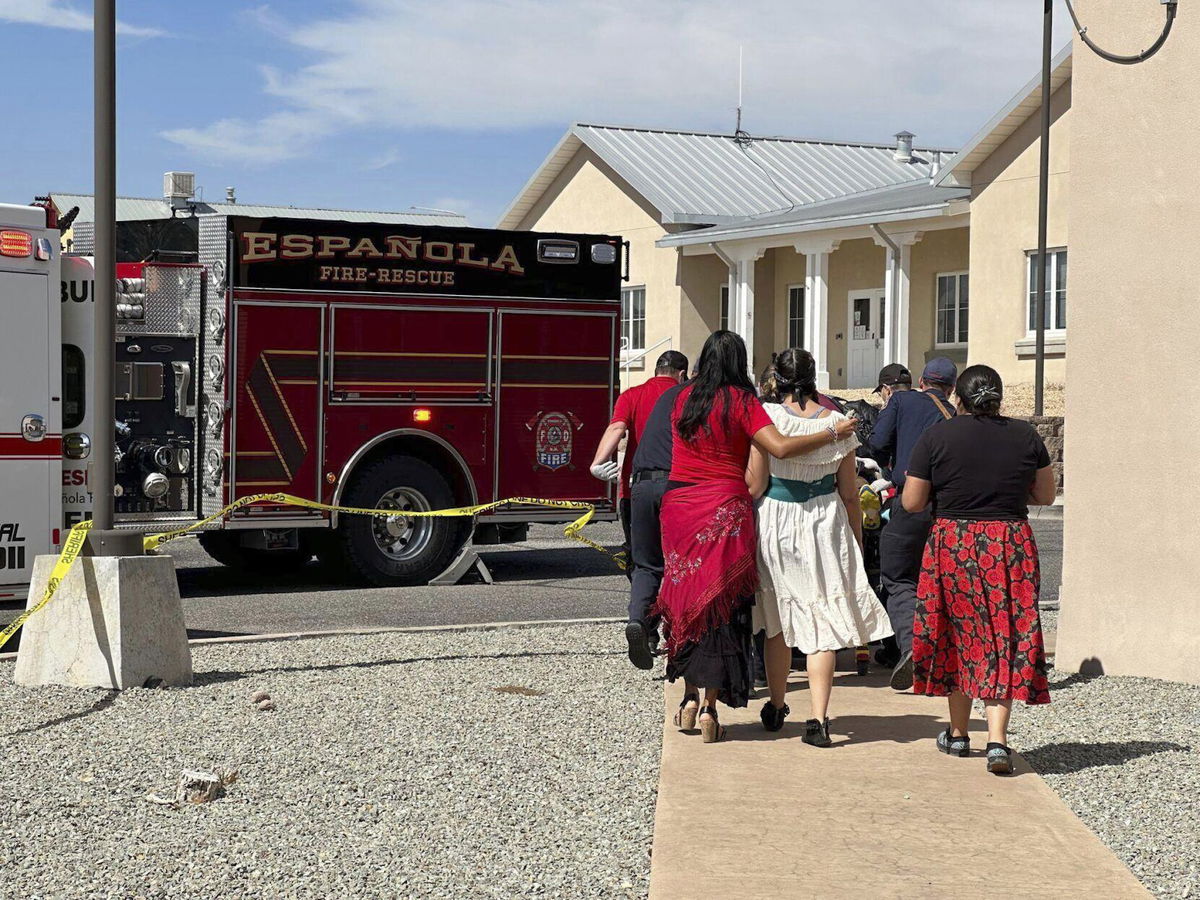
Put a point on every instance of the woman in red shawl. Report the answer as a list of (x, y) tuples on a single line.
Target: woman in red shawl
[(708, 531)]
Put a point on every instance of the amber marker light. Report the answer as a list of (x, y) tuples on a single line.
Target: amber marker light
[(16, 243), (422, 415)]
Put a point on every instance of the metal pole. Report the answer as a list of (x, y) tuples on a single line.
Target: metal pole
[(103, 540), (1039, 311), (105, 38)]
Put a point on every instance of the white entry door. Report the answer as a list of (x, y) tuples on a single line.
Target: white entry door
[(866, 338)]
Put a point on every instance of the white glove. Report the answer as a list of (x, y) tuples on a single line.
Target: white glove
[(606, 471)]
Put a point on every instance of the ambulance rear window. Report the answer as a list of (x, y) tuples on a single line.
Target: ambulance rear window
[(72, 386)]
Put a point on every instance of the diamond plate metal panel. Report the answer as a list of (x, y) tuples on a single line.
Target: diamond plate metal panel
[(171, 301), (83, 238)]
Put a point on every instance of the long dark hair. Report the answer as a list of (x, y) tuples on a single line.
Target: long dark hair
[(980, 390), (795, 376), (722, 371)]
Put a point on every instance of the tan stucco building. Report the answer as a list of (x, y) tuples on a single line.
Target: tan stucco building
[(1000, 167), (1130, 605), (864, 254), (710, 248)]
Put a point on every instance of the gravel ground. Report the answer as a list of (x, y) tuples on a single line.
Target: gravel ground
[(1124, 753), (392, 768)]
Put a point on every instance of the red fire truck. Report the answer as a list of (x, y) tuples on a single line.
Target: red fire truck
[(356, 364)]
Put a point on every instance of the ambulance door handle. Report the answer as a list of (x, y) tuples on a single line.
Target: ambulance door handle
[(183, 381), (33, 428)]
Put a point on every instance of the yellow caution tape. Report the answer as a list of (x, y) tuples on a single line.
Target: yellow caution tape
[(78, 533), (71, 548)]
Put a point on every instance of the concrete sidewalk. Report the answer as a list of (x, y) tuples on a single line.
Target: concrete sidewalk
[(881, 814)]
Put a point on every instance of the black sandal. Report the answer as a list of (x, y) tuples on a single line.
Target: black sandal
[(711, 730), (685, 716)]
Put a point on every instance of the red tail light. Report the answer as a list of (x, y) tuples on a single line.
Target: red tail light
[(16, 243)]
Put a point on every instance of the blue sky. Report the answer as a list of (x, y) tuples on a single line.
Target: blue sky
[(388, 104)]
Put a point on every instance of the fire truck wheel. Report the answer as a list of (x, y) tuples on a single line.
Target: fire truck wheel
[(223, 546), (398, 551)]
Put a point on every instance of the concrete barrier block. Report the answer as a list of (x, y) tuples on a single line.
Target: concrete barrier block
[(115, 622)]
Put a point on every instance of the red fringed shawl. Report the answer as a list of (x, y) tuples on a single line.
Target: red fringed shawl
[(709, 562)]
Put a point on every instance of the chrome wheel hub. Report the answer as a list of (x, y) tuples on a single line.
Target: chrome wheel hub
[(397, 537)]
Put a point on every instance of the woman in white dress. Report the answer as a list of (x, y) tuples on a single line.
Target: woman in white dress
[(814, 594)]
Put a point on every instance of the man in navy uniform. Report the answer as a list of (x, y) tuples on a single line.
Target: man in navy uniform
[(905, 416)]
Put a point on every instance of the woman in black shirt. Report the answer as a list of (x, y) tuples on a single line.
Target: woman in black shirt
[(976, 633)]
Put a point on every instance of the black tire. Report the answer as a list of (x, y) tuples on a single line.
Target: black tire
[(402, 552), (223, 546)]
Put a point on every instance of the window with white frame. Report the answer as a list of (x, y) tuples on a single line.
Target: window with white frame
[(633, 318), (953, 308), (1056, 290), (723, 323), (795, 315)]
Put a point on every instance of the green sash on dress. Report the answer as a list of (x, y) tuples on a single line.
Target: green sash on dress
[(790, 491)]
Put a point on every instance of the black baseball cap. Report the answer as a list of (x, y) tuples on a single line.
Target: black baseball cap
[(892, 373), (672, 359), (940, 370)]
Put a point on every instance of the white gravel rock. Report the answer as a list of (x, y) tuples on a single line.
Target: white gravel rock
[(1124, 754), (393, 768)]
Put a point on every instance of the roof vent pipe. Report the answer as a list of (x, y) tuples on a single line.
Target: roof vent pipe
[(230, 195), (904, 147)]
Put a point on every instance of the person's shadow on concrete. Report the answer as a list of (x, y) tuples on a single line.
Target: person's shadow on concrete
[(1070, 756), (848, 730)]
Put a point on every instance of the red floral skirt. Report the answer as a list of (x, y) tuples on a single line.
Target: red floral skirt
[(976, 628)]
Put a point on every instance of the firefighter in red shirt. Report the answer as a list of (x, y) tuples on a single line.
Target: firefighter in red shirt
[(628, 421)]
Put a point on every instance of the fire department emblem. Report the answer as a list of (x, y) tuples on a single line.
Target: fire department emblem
[(553, 433)]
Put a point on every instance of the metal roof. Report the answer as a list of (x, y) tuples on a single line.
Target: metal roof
[(1000, 127), (139, 208), (896, 203), (705, 178)]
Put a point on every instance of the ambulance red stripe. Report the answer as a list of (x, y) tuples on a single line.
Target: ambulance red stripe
[(19, 448)]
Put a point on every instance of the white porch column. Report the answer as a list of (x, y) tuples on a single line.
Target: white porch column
[(741, 298), (897, 282), (816, 303)]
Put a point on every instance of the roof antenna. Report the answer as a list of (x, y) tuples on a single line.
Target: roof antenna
[(739, 136)]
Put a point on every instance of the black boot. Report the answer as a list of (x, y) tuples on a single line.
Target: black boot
[(772, 716), (639, 645), (816, 733)]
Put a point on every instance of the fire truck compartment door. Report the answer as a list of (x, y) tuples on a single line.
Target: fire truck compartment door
[(30, 442), (555, 400), (413, 354), (276, 442)]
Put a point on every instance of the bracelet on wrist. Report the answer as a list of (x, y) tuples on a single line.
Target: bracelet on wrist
[(832, 433)]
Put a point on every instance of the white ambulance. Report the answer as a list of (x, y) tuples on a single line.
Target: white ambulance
[(31, 401)]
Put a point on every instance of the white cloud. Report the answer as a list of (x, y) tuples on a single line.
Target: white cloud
[(388, 157), (282, 135), (847, 70), (60, 14)]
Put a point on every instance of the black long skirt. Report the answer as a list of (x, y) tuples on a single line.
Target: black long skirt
[(720, 659)]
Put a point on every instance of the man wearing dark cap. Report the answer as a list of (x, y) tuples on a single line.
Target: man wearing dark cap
[(629, 421), (905, 417)]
